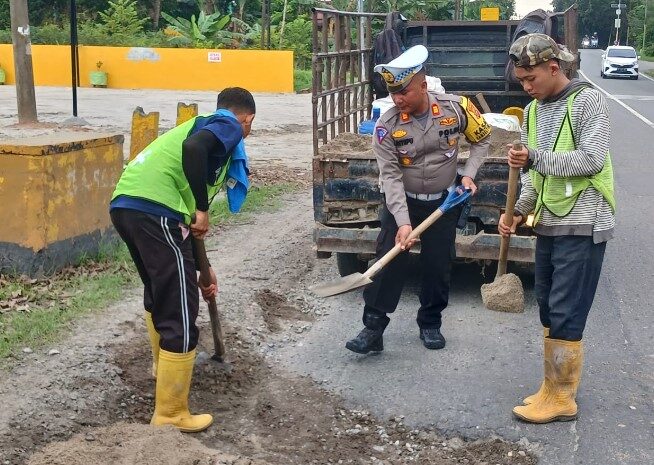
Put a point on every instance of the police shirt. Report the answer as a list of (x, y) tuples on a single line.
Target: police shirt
[(424, 160)]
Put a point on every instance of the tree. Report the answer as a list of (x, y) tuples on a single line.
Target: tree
[(594, 16), (641, 30), (121, 18), (206, 31)]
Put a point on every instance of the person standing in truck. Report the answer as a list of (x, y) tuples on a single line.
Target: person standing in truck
[(416, 144), (567, 182)]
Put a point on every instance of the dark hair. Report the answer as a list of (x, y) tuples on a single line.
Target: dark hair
[(237, 99)]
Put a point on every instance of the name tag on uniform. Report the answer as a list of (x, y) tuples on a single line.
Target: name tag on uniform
[(403, 142)]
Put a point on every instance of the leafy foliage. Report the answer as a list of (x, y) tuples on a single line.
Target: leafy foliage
[(637, 27), (122, 18), (205, 31), (594, 16)]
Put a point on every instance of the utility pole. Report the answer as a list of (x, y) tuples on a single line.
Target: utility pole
[(20, 37), (620, 6)]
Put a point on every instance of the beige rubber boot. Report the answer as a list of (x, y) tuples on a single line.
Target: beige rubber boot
[(530, 399), (154, 342), (563, 362), (173, 385)]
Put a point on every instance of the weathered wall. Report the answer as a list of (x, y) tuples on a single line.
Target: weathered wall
[(161, 68), (58, 187)]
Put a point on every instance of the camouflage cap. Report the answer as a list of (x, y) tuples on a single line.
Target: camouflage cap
[(534, 49)]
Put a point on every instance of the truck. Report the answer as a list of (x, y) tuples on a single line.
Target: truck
[(470, 58)]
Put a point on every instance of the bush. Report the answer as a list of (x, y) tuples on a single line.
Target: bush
[(89, 33), (302, 79), (5, 37)]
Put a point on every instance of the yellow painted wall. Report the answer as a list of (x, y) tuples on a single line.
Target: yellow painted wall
[(59, 186), (160, 68)]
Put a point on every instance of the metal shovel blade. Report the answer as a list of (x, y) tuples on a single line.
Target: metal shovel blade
[(341, 285)]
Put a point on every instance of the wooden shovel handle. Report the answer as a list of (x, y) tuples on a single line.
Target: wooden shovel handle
[(511, 193), (205, 280), (395, 251)]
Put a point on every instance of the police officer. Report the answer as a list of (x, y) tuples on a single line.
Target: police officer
[(416, 144)]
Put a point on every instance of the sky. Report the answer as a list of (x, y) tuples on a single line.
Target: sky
[(523, 7)]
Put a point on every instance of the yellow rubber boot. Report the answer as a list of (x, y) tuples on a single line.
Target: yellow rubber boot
[(154, 342), (530, 399), (171, 400), (563, 362)]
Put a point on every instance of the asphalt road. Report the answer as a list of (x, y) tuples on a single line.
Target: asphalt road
[(492, 359)]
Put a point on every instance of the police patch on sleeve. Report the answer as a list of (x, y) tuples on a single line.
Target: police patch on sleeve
[(381, 134), (477, 128)]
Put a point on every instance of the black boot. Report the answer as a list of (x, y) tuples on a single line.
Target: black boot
[(432, 338), (368, 340)]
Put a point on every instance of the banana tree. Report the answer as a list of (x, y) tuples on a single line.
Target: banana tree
[(205, 31)]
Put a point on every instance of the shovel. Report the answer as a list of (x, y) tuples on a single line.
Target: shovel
[(216, 328), (511, 192), (505, 293), (357, 280)]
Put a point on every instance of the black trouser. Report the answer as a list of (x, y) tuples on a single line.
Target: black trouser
[(164, 260), (436, 254), (567, 273)]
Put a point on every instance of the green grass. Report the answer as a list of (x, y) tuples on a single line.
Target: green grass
[(265, 198), (37, 312), (56, 301), (302, 79)]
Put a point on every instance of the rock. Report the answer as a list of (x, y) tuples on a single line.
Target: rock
[(505, 294), (378, 448), (27, 350), (53, 352), (455, 443)]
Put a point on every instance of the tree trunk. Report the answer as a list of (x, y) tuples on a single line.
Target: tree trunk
[(20, 35), (155, 14), (281, 27)]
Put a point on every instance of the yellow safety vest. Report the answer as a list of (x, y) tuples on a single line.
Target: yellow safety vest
[(559, 194)]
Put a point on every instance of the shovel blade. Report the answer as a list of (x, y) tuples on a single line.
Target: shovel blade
[(341, 285)]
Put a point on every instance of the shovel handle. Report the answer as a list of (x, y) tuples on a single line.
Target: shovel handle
[(216, 328), (455, 197), (512, 190), (397, 249)]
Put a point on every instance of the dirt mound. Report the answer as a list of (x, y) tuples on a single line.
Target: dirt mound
[(347, 143), (125, 443), (505, 294), (276, 307)]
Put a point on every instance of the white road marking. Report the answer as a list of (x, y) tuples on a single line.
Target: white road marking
[(646, 76), (619, 102), (634, 97)]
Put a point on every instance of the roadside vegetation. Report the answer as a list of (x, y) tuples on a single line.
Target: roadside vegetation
[(34, 312)]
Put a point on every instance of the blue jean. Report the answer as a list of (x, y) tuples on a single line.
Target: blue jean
[(567, 273)]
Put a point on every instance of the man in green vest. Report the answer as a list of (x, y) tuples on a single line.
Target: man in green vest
[(567, 184), (163, 187)]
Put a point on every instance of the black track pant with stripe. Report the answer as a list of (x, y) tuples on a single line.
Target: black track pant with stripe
[(164, 259)]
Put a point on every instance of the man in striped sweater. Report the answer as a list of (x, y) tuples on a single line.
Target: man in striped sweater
[(567, 183)]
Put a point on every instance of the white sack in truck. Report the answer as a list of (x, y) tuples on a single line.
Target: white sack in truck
[(433, 85)]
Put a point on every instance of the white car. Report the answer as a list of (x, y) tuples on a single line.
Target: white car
[(620, 61)]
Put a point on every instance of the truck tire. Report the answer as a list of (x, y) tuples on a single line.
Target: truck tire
[(349, 263)]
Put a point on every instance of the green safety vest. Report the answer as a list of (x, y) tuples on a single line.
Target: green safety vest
[(559, 194), (156, 174)]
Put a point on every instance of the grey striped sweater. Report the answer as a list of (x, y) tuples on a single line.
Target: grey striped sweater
[(591, 215)]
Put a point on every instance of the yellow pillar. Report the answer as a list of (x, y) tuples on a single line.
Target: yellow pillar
[(186, 112), (145, 129)]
